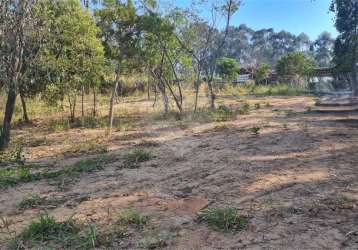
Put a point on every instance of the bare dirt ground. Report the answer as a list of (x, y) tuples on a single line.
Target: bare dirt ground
[(297, 180)]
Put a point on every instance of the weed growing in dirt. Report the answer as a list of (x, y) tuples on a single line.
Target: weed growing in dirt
[(133, 218), (16, 155), (223, 219), (245, 109), (257, 105), (255, 130), (88, 165), (136, 156), (14, 176), (222, 113), (31, 201), (47, 232), (34, 200)]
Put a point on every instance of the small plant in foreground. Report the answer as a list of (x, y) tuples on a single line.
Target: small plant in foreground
[(257, 105), (223, 219), (46, 231), (136, 156), (16, 155), (255, 130), (222, 113), (33, 200), (134, 218), (245, 109)]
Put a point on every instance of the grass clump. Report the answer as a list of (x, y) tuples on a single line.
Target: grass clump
[(90, 146), (136, 156), (255, 130), (222, 113), (14, 176), (46, 232), (244, 109), (88, 165), (16, 155), (34, 200), (133, 218), (223, 219)]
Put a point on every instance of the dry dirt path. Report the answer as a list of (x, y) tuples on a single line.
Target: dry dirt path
[(297, 180)]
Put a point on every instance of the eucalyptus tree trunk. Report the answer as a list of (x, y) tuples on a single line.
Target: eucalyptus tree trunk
[(72, 107), (16, 65), (24, 108), (94, 102), (9, 110), (82, 102), (212, 94), (197, 86), (113, 98)]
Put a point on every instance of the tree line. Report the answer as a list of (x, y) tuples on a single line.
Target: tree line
[(62, 50)]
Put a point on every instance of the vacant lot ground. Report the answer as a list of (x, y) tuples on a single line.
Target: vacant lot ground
[(292, 172)]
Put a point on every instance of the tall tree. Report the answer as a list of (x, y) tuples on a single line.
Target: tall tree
[(16, 20), (121, 37), (346, 47), (324, 49)]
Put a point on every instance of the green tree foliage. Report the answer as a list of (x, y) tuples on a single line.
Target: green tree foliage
[(324, 49), (228, 68), (346, 46), (16, 22), (262, 75), (293, 66), (73, 55)]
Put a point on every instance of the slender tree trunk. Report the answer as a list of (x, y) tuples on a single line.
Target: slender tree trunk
[(113, 98), (162, 90), (16, 64), (82, 102), (212, 94), (197, 86), (24, 108), (72, 108), (9, 110), (148, 90), (94, 102)]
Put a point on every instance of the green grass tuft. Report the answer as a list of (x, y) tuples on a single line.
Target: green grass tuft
[(255, 130), (133, 218), (136, 156), (223, 219), (46, 232), (14, 176)]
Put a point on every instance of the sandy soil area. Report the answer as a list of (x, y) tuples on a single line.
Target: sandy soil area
[(297, 180)]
